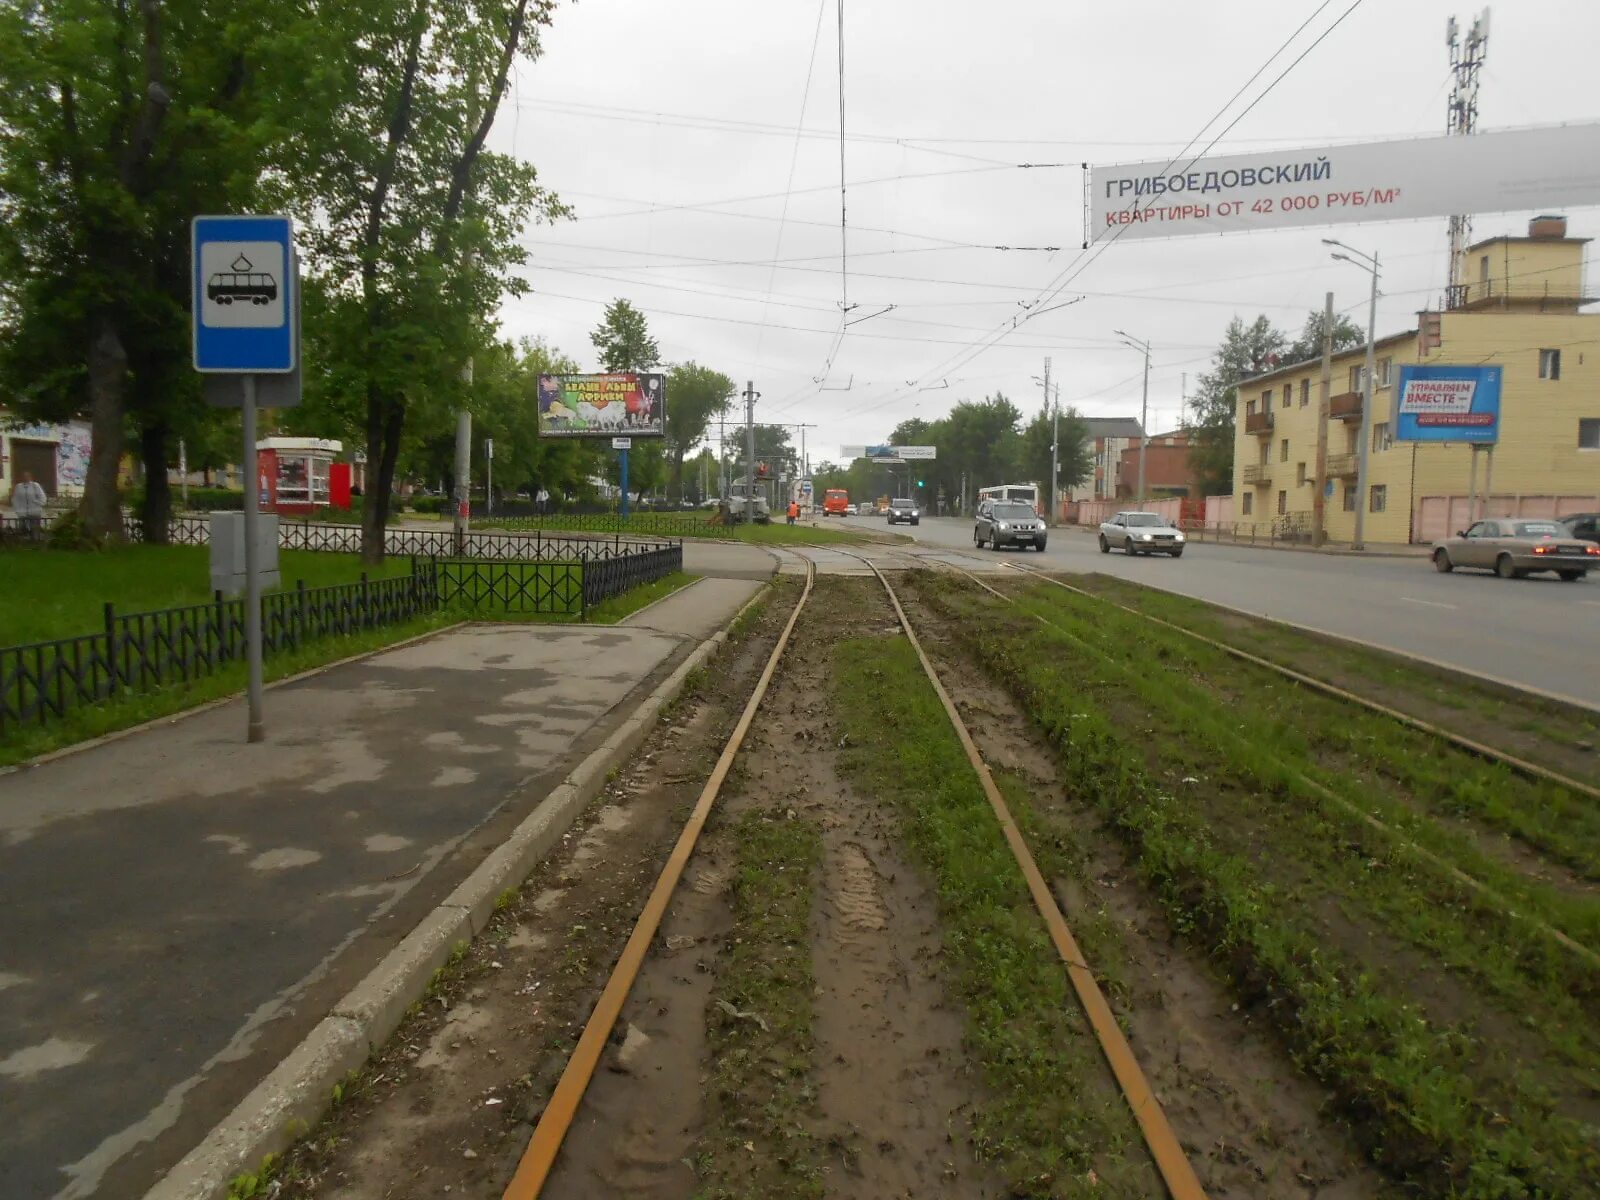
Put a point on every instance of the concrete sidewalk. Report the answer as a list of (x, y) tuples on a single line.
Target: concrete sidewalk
[(178, 908)]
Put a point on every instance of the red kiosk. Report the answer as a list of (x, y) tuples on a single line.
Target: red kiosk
[(299, 476)]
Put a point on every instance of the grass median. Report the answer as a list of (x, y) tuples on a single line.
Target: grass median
[(1051, 1119), (1458, 1040)]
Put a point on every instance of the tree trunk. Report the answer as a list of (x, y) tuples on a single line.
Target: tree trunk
[(101, 506), (386, 416), (677, 474), (155, 516)]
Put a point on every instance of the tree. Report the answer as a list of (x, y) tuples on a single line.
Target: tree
[(695, 395), (1245, 350), (624, 342), (122, 121), (1308, 345), (1074, 458), (412, 222)]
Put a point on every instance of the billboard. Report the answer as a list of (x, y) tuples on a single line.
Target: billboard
[(890, 454), (1448, 404), (625, 403), (1372, 181)]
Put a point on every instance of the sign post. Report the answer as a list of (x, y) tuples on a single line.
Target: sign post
[(623, 444), (245, 304)]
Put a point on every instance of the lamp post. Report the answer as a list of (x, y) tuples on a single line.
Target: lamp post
[(1144, 405), (1369, 264)]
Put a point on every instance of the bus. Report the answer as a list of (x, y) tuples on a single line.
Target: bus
[(1023, 493)]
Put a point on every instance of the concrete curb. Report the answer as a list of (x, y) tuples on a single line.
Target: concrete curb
[(298, 1090)]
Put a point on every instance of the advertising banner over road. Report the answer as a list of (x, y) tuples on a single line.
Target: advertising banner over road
[(591, 406), (1448, 404), (890, 454), (1373, 181)]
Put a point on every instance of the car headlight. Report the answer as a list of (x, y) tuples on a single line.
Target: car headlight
[(1178, 538), (1144, 537), (1002, 527)]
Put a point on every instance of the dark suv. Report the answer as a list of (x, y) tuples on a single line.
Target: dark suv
[(1008, 523), (1584, 526), (902, 509)]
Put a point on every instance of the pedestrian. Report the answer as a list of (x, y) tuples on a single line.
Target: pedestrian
[(27, 502), (794, 510)]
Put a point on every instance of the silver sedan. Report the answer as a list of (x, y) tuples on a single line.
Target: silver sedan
[(1514, 548), (1141, 533)]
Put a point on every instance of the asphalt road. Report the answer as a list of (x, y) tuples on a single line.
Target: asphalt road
[(1536, 632)]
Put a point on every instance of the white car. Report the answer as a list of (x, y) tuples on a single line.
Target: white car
[(1141, 533), (865, 509)]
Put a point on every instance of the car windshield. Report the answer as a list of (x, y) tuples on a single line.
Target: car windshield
[(1012, 512), (1144, 519), (1538, 529), (902, 502)]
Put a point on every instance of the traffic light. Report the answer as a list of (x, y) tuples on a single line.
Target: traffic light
[(919, 483)]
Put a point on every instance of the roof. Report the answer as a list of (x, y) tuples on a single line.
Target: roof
[(1553, 241), (1289, 368), (1113, 427)]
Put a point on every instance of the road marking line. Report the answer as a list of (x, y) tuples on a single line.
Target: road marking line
[(1429, 603), (1590, 603)]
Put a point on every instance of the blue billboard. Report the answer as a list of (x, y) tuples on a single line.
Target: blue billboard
[(1448, 404)]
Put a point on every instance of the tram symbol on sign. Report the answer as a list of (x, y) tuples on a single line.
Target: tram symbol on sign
[(242, 282)]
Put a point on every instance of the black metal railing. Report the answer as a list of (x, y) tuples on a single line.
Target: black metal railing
[(659, 524), (139, 652), (23, 531)]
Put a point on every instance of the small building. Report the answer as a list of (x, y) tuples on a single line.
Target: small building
[(56, 455), (298, 475), (1167, 472), (1108, 438), (1521, 311)]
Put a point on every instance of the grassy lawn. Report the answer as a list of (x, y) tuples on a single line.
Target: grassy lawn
[(1456, 1038), (61, 593)]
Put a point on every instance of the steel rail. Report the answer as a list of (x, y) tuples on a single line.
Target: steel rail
[(540, 1156)]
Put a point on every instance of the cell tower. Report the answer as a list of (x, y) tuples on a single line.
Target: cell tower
[(1466, 60)]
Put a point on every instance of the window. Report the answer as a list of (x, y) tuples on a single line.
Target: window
[(1349, 497), (1300, 474), (1283, 502), (1248, 496), (1288, 394), (1380, 436), (1357, 374), (1483, 270), (1283, 450), (1385, 370), (1266, 400), (1589, 433), (1549, 364), (1250, 408), (1377, 498), (1305, 392)]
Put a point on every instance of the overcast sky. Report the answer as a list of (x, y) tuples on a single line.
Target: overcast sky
[(671, 130)]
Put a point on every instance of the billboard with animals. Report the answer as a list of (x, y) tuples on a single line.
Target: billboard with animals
[(626, 403)]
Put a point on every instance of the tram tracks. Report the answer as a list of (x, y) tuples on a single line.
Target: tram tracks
[(538, 1161)]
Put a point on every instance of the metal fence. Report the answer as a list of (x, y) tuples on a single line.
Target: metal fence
[(502, 545), (140, 652), (1289, 529), (659, 524)]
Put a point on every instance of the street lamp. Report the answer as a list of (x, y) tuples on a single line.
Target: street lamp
[(1369, 264), (1055, 440), (1134, 343)]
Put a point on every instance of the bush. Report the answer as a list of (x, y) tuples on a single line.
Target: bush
[(430, 504)]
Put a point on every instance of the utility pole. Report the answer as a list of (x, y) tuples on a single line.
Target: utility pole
[(1144, 405), (750, 451), (1365, 449), (1055, 447), (1319, 501), (463, 471), (1466, 61)]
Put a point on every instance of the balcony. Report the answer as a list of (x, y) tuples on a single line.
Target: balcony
[(1343, 466), (1258, 423), (1258, 473), (1346, 407)]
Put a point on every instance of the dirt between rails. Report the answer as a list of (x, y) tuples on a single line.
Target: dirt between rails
[(890, 1084), (446, 1108), (1253, 1125)]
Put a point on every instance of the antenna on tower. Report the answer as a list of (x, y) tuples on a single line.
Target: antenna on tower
[(1466, 61)]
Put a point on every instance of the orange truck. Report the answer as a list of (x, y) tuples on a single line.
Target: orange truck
[(836, 503)]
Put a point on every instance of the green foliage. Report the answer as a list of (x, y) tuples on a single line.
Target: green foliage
[(623, 340), (1346, 333), (695, 395)]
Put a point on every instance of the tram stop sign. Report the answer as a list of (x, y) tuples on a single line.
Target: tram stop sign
[(245, 295)]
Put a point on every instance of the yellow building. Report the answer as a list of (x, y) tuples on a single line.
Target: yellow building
[(1520, 310)]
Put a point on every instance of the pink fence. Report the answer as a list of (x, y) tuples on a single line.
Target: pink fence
[(1094, 512), (1219, 510), (1440, 516)]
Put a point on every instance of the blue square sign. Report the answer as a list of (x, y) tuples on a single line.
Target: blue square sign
[(244, 301)]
